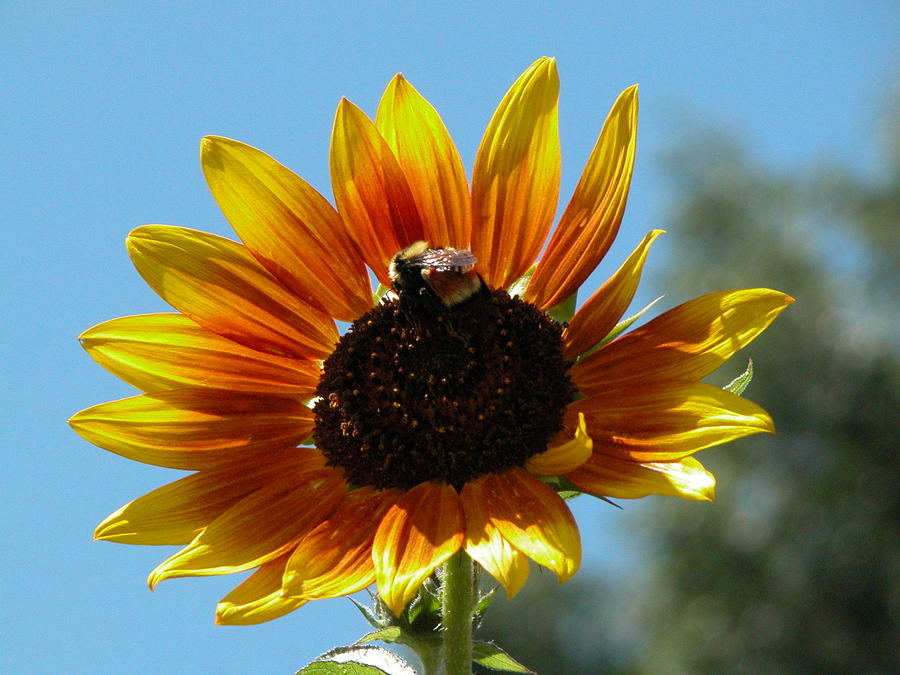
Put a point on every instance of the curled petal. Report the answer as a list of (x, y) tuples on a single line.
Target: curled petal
[(565, 455), (604, 476), (259, 528), (258, 599), (667, 420), (600, 313), (218, 284), (486, 545), (422, 530), (430, 162), (156, 352), (289, 228), (685, 343), (591, 220), (515, 182), (534, 519)]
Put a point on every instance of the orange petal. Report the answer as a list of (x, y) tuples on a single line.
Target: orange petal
[(258, 599), (598, 316), (686, 343), (591, 220), (421, 531), (179, 511), (515, 182), (194, 428), (604, 476), (487, 546), (218, 284), (565, 455), (259, 528), (335, 559), (534, 519), (289, 228), (430, 162), (371, 191), (156, 352), (667, 420)]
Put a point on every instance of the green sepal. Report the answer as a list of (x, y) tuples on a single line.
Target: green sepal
[(564, 311), (519, 285), (739, 384), (481, 607), (489, 655), (563, 487), (358, 661), (373, 615), (619, 328), (379, 293)]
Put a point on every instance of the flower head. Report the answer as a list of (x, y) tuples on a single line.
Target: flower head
[(454, 407)]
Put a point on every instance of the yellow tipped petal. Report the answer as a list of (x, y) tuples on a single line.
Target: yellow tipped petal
[(486, 545), (371, 191), (420, 532), (565, 455), (515, 182), (430, 162), (605, 476), (600, 313), (218, 284), (534, 519), (686, 343), (591, 220), (258, 599)]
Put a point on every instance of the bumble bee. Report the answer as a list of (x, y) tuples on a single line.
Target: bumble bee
[(434, 278)]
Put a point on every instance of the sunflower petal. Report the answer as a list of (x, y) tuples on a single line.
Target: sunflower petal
[(421, 531), (335, 559), (218, 284), (685, 343), (515, 182), (604, 476), (156, 352), (599, 314), (565, 455), (487, 546), (179, 511), (430, 162), (371, 191), (667, 420), (259, 528), (288, 226), (258, 599), (534, 519), (591, 220), (193, 428)]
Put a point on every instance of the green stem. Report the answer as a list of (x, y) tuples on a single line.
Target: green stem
[(458, 603)]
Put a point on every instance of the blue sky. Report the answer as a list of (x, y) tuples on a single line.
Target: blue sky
[(103, 106)]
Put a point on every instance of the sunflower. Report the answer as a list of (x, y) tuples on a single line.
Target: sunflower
[(330, 462)]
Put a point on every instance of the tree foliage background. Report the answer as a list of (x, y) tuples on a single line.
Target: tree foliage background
[(796, 567)]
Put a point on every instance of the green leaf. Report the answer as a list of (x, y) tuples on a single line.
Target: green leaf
[(332, 668), (390, 634), (564, 311), (358, 661), (739, 384), (620, 328), (489, 655)]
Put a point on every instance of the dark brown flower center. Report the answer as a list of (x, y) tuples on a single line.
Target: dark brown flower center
[(472, 389)]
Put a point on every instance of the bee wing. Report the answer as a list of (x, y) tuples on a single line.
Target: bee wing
[(447, 258)]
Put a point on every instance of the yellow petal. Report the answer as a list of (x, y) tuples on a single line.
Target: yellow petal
[(259, 528), (600, 313), (667, 420), (179, 511), (335, 559), (591, 220), (421, 531), (565, 455), (430, 162), (685, 343), (218, 284), (605, 476), (156, 352), (515, 182), (288, 226), (534, 519), (258, 599), (371, 191), (194, 428), (487, 546)]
